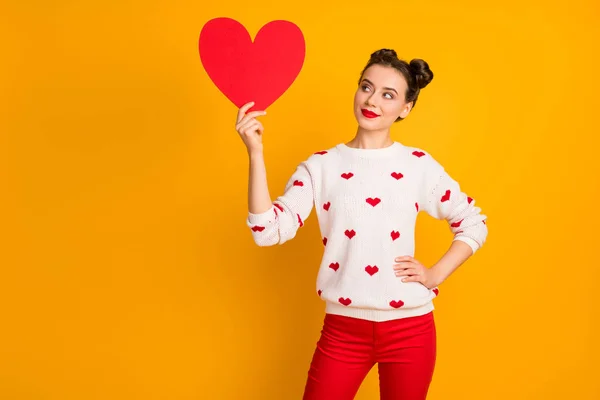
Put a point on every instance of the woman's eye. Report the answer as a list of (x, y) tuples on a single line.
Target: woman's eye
[(366, 88)]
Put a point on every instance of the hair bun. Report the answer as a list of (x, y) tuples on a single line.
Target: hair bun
[(384, 53), (421, 72)]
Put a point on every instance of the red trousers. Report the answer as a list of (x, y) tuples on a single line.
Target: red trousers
[(404, 349)]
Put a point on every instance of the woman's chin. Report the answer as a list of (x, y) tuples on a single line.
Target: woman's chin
[(368, 124)]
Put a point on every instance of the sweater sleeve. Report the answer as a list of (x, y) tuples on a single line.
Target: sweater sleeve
[(287, 213), (444, 199)]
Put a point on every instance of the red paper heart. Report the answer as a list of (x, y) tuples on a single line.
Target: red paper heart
[(245, 71)]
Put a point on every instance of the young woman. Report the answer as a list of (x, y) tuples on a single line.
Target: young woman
[(367, 194)]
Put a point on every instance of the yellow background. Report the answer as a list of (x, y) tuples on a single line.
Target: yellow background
[(127, 271)]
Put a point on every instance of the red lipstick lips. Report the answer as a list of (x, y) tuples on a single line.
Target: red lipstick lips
[(368, 114)]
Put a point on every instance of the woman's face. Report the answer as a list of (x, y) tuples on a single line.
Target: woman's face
[(379, 99)]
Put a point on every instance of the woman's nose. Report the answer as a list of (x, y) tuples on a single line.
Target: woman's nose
[(370, 101)]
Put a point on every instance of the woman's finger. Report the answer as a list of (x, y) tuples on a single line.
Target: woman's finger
[(244, 127), (405, 258), (245, 124), (242, 111), (402, 267), (260, 128), (408, 271), (251, 128), (250, 116), (256, 127), (414, 278), (405, 264), (404, 273)]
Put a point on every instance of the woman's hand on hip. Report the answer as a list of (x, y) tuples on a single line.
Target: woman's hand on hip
[(413, 271)]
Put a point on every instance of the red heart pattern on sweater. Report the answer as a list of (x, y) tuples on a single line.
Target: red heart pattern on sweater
[(321, 152), (396, 303), (456, 224), (446, 196), (350, 233), (345, 302), (372, 270), (373, 201)]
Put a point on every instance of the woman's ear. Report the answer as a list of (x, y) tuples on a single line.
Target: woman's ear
[(406, 110)]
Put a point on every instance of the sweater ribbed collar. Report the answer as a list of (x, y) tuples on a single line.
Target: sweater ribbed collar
[(370, 153)]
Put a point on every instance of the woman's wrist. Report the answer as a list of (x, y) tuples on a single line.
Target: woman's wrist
[(256, 153)]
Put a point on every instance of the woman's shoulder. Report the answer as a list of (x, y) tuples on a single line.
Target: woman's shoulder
[(421, 158), (323, 155)]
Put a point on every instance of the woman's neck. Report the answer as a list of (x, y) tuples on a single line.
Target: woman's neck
[(370, 139)]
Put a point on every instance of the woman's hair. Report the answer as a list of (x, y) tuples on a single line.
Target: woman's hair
[(416, 73)]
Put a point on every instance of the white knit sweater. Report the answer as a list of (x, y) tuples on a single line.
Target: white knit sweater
[(367, 201)]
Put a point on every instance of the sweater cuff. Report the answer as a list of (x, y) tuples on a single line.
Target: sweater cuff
[(264, 218), (472, 243)]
